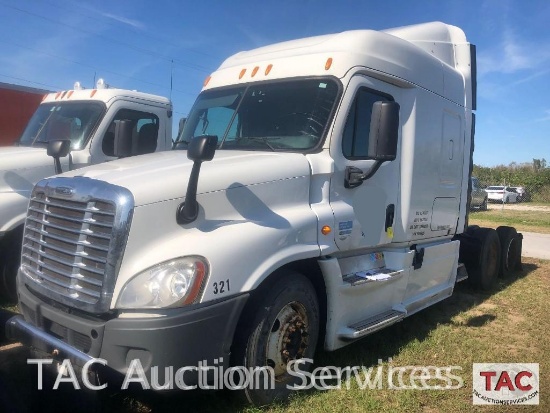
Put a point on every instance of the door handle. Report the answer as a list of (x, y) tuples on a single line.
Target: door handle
[(390, 214)]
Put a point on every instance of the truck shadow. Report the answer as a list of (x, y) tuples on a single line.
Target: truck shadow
[(18, 380)]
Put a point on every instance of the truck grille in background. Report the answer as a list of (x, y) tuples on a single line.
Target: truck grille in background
[(66, 246)]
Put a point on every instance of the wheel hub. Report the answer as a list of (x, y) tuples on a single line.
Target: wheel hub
[(288, 338)]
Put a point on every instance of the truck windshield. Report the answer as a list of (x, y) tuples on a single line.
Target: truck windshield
[(287, 115), (67, 120)]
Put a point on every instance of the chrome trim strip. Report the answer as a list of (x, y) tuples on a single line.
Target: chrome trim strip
[(66, 240)]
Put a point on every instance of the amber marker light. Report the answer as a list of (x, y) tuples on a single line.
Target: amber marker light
[(70, 94), (328, 64), (93, 93), (254, 71), (206, 81), (268, 69), (242, 73), (326, 230)]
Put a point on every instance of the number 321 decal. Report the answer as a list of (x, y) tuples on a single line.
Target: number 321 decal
[(221, 287)]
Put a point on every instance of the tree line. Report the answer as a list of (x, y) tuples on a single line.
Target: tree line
[(535, 177)]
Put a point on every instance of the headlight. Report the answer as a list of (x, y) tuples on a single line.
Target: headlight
[(170, 284)]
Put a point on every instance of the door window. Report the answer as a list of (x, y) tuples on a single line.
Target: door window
[(355, 142), (144, 132)]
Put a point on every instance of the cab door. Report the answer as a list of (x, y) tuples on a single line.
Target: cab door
[(364, 215)]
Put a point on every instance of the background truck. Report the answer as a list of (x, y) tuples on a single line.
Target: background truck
[(320, 194), (18, 103), (90, 120)]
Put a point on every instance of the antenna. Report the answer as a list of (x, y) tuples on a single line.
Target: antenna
[(171, 77)]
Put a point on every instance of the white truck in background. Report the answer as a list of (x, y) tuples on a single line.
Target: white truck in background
[(320, 194), (89, 119)]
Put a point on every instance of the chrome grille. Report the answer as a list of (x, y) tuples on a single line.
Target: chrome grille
[(71, 247)]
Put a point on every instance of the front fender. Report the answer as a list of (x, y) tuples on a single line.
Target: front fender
[(13, 209), (245, 233)]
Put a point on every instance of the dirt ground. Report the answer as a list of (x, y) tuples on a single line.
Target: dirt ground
[(520, 207)]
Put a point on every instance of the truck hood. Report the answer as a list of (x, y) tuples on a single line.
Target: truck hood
[(161, 176), (21, 167)]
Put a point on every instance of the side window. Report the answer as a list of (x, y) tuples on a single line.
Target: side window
[(355, 142), (145, 127)]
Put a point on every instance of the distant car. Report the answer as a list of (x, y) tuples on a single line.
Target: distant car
[(503, 194), (478, 197), (522, 193)]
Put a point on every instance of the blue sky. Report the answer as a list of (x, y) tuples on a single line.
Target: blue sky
[(138, 44)]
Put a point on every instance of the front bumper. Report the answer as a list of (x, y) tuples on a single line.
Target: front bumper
[(180, 338)]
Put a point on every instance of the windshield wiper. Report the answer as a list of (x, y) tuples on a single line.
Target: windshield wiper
[(263, 140)]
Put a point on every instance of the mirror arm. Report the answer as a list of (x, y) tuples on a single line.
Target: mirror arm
[(57, 164), (374, 168), (189, 210), (354, 177)]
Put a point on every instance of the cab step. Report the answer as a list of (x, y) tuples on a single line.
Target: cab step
[(461, 273), (372, 324), (375, 275)]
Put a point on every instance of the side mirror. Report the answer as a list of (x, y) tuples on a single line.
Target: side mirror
[(384, 131), (58, 149), (123, 139), (201, 148), (383, 136)]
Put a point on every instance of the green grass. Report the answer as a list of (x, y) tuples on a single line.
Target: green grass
[(531, 221), (508, 324)]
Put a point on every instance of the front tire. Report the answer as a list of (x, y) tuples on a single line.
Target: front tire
[(10, 256), (284, 326)]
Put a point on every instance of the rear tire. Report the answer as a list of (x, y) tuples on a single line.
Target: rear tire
[(484, 275), (282, 325), (509, 249)]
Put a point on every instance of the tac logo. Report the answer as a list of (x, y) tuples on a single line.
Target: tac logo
[(506, 383)]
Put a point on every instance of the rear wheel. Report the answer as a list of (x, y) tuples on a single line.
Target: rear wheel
[(282, 325), (484, 275), (510, 250)]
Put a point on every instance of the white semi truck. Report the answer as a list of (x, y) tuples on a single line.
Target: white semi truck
[(88, 118), (320, 193)]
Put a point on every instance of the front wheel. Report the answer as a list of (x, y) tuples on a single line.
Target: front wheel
[(282, 326), (10, 257)]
